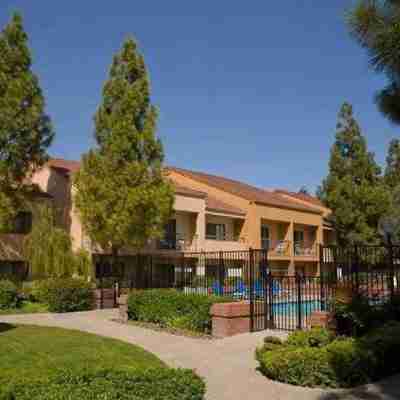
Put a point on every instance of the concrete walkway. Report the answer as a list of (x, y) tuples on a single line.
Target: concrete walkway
[(227, 365)]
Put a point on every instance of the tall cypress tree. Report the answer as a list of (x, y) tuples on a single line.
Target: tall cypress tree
[(353, 188), (122, 195), (392, 170), (25, 129)]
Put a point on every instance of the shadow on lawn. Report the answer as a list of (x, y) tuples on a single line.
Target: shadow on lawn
[(6, 327)]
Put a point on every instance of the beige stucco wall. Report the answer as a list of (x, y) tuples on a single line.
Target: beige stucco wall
[(219, 194)]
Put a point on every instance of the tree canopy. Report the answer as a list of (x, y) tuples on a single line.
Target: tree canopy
[(121, 192), (25, 129), (375, 24), (353, 189)]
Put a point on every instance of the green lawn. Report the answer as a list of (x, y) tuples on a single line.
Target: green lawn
[(27, 307), (32, 352)]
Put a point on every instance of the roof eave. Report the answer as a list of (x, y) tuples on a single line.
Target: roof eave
[(306, 210)]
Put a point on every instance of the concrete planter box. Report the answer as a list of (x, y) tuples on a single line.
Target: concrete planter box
[(229, 319)]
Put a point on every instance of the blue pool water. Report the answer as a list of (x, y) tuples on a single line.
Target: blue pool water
[(292, 308)]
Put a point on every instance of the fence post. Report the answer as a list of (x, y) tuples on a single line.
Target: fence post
[(221, 275), (390, 251), (116, 292), (101, 293), (321, 277), (251, 288), (299, 302), (270, 308)]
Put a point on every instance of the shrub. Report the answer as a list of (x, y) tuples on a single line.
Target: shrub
[(306, 366), (168, 307), (344, 362), (384, 342), (273, 340), (358, 317), (8, 294), (155, 384), (65, 295), (316, 337)]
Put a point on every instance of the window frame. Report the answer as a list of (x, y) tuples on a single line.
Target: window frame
[(220, 231)]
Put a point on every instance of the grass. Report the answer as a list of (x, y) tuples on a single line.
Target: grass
[(26, 307), (36, 353)]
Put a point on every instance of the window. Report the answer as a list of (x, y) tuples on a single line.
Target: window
[(215, 231), (264, 237), (169, 239), (298, 237)]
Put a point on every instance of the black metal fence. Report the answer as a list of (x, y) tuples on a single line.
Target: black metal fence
[(224, 273), (370, 271), (276, 302)]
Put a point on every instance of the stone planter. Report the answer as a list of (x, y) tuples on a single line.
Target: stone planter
[(229, 319)]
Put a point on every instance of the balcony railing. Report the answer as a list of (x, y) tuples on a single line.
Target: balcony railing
[(178, 242), (305, 249), (223, 238), (276, 247)]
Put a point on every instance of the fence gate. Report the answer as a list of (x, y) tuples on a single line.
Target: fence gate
[(287, 302)]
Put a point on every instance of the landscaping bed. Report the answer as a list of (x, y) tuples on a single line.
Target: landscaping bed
[(317, 358), (173, 331), (53, 363), (171, 309)]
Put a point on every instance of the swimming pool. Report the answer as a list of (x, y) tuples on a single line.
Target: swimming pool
[(292, 307)]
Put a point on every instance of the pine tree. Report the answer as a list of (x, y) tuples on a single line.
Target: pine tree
[(25, 129), (375, 24), (392, 171), (121, 192), (353, 189)]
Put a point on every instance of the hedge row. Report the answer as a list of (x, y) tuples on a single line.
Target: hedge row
[(64, 294), (174, 309), (154, 384), (60, 294), (329, 362)]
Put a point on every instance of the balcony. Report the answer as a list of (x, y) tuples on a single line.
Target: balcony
[(306, 250), (224, 243), (277, 248), (177, 243)]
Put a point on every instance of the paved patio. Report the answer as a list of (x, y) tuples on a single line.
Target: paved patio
[(228, 365)]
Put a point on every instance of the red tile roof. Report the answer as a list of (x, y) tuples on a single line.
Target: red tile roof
[(214, 204), (66, 165), (302, 196), (185, 191), (244, 190), (237, 188)]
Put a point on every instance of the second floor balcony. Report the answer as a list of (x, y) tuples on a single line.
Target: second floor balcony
[(305, 249), (277, 248), (178, 243)]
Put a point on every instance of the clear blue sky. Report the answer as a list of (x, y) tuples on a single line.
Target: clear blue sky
[(246, 89)]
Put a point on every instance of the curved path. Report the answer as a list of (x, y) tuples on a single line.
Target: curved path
[(228, 365)]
